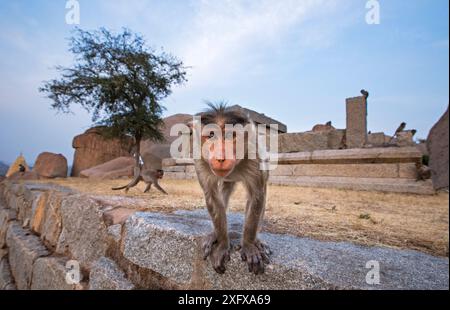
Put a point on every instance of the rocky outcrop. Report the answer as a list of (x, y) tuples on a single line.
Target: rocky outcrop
[(93, 149), (51, 165), (16, 166), (437, 144), (114, 169)]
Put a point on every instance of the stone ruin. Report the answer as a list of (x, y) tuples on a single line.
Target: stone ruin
[(350, 158)]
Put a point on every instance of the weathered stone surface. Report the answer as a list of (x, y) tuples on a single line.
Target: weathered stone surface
[(396, 185), (84, 235), (6, 215), (175, 175), (14, 168), (347, 170), (374, 155), (169, 244), (117, 216), (407, 171), (356, 132), (47, 218), (24, 248), (301, 142), (437, 143), (25, 176), (49, 273), (117, 168), (353, 156), (106, 275), (6, 279), (283, 170), (50, 165), (335, 139), (92, 149), (376, 139), (405, 138), (115, 232), (174, 169)]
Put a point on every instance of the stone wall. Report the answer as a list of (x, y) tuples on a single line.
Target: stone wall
[(378, 169), (45, 230), (43, 227)]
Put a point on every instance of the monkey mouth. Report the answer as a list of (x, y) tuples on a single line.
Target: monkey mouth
[(221, 172)]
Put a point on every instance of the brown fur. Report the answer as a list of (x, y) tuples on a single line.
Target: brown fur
[(217, 191)]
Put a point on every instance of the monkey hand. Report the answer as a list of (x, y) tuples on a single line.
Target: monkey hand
[(219, 256), (256, 255)]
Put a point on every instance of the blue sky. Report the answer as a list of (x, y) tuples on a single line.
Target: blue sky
[(296, 61)]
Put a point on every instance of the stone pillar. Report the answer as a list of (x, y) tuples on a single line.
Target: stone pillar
[(356, 134)]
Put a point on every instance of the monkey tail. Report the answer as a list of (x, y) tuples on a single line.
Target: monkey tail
[(129, 185)]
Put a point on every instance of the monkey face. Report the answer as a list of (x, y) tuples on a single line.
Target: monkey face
[(219, 149)]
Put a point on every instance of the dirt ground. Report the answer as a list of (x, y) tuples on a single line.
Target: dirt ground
[(368, 218)]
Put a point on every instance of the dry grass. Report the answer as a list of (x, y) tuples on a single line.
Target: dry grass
[(368, 218)]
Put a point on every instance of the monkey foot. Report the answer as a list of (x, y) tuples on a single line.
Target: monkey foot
[(208, 243), (256, 255), (219, 254)]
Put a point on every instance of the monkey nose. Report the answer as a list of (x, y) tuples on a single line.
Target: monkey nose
[(221, 160)]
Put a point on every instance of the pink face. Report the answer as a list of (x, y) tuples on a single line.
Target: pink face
[(220, 164)]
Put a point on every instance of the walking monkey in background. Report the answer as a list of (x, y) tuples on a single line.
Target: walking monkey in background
[(218, 175)]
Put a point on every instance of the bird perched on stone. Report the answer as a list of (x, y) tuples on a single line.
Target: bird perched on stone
[(400, 128), (365, 93)]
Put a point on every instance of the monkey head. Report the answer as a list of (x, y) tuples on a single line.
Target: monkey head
[(223, 139)]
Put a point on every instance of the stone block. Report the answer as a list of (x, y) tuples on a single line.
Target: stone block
[(356, 130), (169, 245), (106, 275), (49, 273), (84, 235), (24, 248)]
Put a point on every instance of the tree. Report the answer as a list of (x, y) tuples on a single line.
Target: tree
[(118, 79)]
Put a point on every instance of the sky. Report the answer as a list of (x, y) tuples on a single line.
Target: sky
[(294, 60)]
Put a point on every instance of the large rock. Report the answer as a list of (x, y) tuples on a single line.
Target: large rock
[(84, 234), (437, 144), (50, 165), (93, 149), (113, 169), (24, 249), (15, 167), (169, 244), (6, 279), (49, 273)]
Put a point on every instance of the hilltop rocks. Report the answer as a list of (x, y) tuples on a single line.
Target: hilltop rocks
[(15, 167), (437, 144), (92, 149), (113, 169), (50, 165)]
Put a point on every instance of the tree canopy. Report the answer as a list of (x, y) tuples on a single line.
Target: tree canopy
[(118, 79)]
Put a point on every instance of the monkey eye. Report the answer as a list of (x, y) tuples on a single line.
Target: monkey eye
[(211, 135)]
